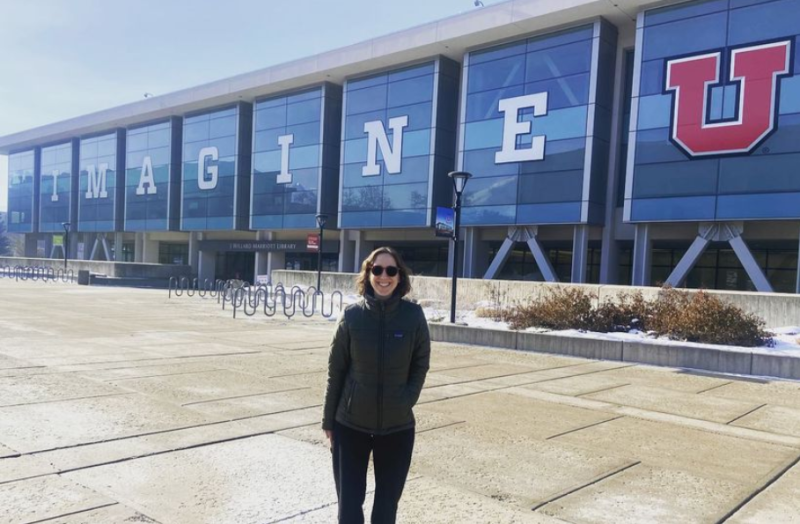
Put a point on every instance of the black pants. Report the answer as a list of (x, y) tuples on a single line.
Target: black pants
[(391, 459)]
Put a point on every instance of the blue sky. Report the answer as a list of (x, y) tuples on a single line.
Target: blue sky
[(64, 59)]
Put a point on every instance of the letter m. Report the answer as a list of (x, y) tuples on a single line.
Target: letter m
[(97, 182)]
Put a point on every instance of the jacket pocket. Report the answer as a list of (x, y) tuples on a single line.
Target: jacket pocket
[(352, 393)]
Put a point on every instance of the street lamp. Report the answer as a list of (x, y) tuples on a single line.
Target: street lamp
[(459, 183), (321, 219), (65, 246)]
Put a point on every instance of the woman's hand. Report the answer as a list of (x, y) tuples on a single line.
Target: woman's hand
[(329, 436)]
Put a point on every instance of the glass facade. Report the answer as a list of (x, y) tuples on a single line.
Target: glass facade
[(216, 169), (398, 146), (295, 159), (152, 176), (57, 187), (100, 183), (527, 137), (670, 184), (22, 192)]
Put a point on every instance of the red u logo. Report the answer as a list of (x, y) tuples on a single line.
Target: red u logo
[(757, 70)]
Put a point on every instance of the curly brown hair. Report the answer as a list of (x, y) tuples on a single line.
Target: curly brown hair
[(362, 280)]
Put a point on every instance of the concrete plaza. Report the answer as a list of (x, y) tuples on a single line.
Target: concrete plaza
[(119, 405)]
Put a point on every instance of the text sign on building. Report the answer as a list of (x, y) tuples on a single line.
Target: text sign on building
[(715, 129), (215, 185), (312, 242), (535, 129), (398, 146), (295, 158), (58, 186), (101, 182), (153, 176)]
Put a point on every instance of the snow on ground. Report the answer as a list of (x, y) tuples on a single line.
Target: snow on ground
[(786, 339)]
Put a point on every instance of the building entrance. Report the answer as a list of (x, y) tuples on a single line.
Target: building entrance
[(235, 265)]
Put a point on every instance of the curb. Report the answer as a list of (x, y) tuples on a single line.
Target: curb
[(652, 353)]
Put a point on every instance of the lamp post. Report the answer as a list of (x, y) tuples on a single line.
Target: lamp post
[(460, 179), (66, 226), (321, 219)]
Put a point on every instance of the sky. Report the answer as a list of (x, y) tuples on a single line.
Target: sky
[(65, 59)]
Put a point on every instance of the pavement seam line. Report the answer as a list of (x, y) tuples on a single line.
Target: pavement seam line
[(602, 390), (768, 480), (745, 414), (154, 376), (54, 401), (713, 388), (223, 399), (163, 431), (584, 427), (183, 448), (49, 519), (584, 485), (499, 376), (450, 424)]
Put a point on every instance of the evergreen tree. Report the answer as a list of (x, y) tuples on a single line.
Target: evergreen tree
[(5, 242)]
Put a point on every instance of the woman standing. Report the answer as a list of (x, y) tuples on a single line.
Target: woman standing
[(378, 360)]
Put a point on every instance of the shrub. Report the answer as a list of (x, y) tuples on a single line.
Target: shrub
[(561, 308), (629, 311), (705, 318), (679, 315)]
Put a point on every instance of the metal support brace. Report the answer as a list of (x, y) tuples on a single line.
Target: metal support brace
[(95, 247), (500, 258), (542, 260), (580, 253), (688, 261), (750, 265), (642, 254), (528, 235)]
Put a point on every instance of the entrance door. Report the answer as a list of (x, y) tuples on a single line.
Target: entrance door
[(236, 265)]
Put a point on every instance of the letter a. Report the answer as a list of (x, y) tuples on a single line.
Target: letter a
[(147, 178), (377, 138), (756, 69)]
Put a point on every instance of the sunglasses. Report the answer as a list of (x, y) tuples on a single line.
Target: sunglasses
[(391, 271)]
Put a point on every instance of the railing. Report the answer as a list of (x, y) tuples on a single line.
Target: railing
[(268, 299), (36, 274)]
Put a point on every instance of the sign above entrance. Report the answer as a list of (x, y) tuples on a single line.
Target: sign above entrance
[(312, 242), (285, 246)]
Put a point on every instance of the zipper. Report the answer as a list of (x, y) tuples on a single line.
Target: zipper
[(381, 345), (352, 394)]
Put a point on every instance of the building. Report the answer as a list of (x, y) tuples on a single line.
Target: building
[(614, 142)]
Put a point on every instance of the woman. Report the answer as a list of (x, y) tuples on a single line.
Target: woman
[(378, 360)]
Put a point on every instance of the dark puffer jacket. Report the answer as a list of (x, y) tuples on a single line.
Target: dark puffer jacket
[(378, 360)]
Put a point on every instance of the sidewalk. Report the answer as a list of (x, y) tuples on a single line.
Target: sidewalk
[(119, 405)]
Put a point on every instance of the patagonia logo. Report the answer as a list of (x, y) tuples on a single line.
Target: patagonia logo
[(399, 334)]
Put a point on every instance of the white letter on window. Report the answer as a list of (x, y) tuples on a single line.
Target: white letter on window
[(97, 182), (212, 171), (285, 177), (54, 196), (147, 178), (512, 128), (377, 138)]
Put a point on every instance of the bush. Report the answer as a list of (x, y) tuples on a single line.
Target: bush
[(678, 315), (705, 318), (561, 308)]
